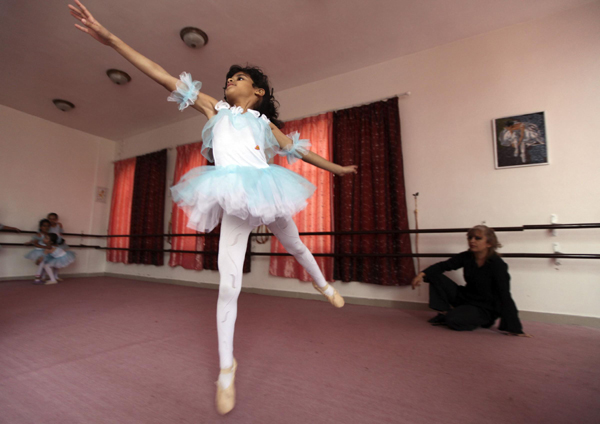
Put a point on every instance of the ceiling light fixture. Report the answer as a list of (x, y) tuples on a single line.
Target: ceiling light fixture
[(118, 77), (193, 37), (63, 105)]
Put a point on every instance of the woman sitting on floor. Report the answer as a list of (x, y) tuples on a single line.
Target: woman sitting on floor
[(486, 296)]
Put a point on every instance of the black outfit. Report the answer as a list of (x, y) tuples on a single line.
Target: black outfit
[(485, 298)]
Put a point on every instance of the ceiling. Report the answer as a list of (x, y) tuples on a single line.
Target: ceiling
[(43, 56)]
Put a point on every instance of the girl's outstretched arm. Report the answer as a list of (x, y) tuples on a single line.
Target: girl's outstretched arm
[(7, 228), (313, 158), (321, 162), (205, 104)]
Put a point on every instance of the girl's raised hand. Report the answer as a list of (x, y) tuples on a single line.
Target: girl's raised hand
[(90, 25), (351, 169)]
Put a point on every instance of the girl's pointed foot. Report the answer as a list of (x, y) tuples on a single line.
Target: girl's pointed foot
[(335, 299), (225, 400)]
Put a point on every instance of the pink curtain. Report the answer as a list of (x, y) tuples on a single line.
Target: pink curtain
[(120, 210), (318, 214), (188, 157)]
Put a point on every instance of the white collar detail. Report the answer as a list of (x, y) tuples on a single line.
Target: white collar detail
[(238, 110)]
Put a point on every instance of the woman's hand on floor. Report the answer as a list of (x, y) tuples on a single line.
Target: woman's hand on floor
[(518, 334), (416, 282)]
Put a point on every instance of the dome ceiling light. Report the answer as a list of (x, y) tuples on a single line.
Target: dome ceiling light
[(63, 105), (193, 37), (118, 77)]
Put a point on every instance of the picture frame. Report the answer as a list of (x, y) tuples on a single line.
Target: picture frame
[(520, 140), (101, 194)]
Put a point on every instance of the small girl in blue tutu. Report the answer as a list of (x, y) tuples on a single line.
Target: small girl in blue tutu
[(242, 190), (37, 254), (57, 228), (55, 258)]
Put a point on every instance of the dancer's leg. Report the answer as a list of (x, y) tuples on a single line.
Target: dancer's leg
[(48, 269), (39, 274), (40, 269), (287, 233), (232, 248)]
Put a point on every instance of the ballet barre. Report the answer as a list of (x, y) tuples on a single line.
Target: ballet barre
[(346, 233)]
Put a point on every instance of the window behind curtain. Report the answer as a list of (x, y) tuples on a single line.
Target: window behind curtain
[(318, 214)]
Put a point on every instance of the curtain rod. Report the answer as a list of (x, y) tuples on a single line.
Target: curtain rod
[(405, 94)]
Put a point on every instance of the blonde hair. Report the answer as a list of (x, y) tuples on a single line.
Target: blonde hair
[(490, 236)]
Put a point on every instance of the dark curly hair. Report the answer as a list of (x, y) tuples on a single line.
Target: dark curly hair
[(268, 105), (53, 238), (43, 221)]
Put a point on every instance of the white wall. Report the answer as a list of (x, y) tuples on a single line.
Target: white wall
[(46, 167), (550, 65)]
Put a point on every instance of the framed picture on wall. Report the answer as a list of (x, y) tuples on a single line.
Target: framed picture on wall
[(520, 140)]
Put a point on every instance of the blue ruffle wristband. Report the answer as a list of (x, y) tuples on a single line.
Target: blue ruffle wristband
[(296, 150), (187, 91)]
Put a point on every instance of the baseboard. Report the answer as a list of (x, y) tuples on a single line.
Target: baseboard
[(550, 318), (163, 280), (77, 275), (280, 293), (544, 317)]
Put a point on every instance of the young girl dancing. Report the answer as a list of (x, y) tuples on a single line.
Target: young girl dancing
[(242, 190), (55, 258), (56, 227)]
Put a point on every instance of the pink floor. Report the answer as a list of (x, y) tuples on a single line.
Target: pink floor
[(108, 350)]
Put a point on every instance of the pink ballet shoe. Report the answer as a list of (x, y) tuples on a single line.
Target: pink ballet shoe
[(335, 299), (226, 397)]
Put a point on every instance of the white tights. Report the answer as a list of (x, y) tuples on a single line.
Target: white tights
[(45, 267), (232, 249)]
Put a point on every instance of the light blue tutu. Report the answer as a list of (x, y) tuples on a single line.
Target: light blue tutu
[(35, 254), (62, 261), (260, 195)]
